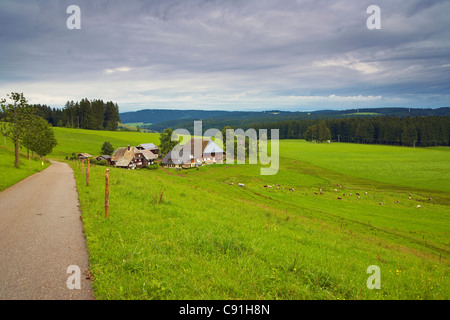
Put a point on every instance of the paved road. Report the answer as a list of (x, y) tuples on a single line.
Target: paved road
[(41, 235)]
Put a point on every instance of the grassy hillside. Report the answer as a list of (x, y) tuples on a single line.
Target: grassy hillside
[(91, 141), (421, 168), (10, 175), (191, 235)]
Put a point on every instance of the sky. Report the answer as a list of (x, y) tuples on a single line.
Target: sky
[(228, 55)]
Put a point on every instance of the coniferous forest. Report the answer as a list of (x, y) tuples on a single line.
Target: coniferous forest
[(404, 131), (86, 114)]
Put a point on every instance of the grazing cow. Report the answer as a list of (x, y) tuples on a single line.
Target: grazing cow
[(339, 198), (241, 185), (396, 201), (410, 198), (357, 194), (371, 196), (381, 203), (350, 194), (315, 193), (418, 206), (429, 199), (359, 197), (291, 189), (266, 186), (418, 200), (231, 183), (366, 193), (335, 190)]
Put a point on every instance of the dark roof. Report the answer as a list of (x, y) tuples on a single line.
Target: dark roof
[(104, 157), (148, 146)]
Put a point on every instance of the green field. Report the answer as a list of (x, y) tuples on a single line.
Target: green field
[(10, 175), (207, 239), (191, 235), (91, 141)]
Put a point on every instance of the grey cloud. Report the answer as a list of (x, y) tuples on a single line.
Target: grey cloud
[(245, 48)]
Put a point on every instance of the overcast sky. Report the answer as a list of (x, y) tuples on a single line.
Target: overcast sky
[(228, 55)]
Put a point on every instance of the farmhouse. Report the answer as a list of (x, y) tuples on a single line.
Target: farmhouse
[(148, 146), (186, 156), (132, 157), (84, 156), (104, 157)]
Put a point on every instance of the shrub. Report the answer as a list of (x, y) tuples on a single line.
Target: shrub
[(102, 163), (153, 166)]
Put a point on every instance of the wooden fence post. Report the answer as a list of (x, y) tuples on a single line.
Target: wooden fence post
[(87, 173), (82, 166), (106, 193)]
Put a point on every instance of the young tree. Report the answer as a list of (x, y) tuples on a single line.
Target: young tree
[(224, 137), (17, 116), (323, 133), (166, 143), (39, 137), (311, 133), (107, 148)]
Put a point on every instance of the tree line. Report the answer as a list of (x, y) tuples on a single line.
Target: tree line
[(405, 131), (86, 114)]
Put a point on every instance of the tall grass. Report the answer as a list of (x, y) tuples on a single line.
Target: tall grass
[(192, 235)]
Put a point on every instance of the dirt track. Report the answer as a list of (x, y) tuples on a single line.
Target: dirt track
[(41, 235)]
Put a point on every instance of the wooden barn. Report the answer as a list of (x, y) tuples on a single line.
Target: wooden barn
[(132, 157), (104, 157), (186, 156), (84, 156), (148, 146)]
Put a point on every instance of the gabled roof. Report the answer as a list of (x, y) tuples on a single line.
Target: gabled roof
[(86, 155), (148, 146), (148, 154), (212, 147), (104, 157), (171, 159), (185, 153), (122, 157)]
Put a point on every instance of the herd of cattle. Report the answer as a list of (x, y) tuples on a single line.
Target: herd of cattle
[(358, 196)]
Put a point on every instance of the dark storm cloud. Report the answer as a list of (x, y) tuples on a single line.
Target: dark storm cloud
[(228, 54)]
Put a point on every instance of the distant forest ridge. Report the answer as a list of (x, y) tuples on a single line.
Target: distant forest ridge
[(160, 119), (388, 126)]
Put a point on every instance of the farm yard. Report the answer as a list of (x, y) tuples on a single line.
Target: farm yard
[(196, 234)]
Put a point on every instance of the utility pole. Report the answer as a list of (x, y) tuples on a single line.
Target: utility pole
[(339, 138)]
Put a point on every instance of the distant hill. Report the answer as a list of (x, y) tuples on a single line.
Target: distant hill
[(161, 119)]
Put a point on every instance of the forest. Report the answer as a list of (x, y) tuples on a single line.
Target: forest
[(93, 115), (387, 130)]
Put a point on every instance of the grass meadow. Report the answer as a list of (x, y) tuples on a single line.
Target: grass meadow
[(191, 235), (91, 141), (9, 175)]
